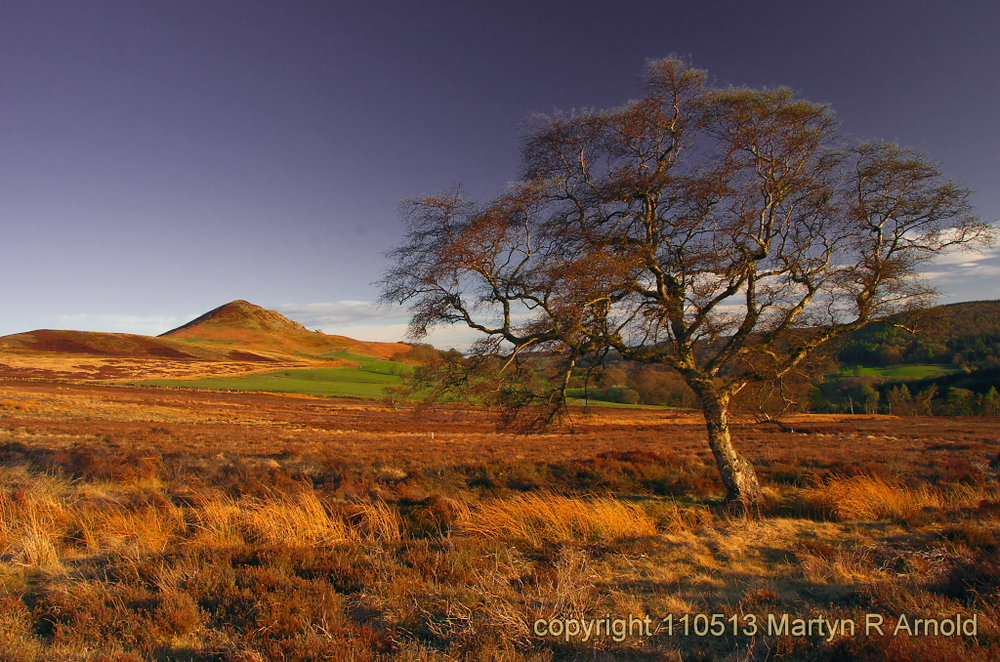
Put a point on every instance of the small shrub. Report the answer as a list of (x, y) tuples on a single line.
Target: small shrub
[(17, 405), (973, 580), (437, 516), (93, 463), (972, 535), (674, 517)]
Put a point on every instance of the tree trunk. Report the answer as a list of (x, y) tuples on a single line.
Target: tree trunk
[(743, 493)]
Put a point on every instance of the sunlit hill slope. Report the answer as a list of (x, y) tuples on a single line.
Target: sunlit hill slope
[(235, 339), (242, 324)]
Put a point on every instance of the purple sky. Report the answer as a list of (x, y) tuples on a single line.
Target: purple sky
[(158, 159)]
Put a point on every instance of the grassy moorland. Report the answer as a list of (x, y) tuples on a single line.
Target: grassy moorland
[(151, 524), (905, 371), (367, 380)]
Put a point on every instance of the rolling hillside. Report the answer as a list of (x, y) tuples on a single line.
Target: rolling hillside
[(236, 341), (967, 332), (116, 345), (245, 325)]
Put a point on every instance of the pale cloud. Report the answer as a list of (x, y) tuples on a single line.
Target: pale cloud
[(443, 337), (366, 320), (962, 255), (339, 313), (964, 265), (146, 325), (965, 275), (982, 270)]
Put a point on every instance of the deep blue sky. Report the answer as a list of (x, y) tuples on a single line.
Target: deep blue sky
[(158, 159)]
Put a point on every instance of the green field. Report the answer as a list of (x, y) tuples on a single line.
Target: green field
[(371, 378), (345, 355), (594, 402), (365, 381), (368, 380), (909, 371)]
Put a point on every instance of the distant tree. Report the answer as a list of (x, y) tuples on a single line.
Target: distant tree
[(959, 402), (900, 401), (991, 403), (419, 353), (924, 401), (622, 394), (724, 233), (869, 399), (657, 386), (890, 355), (611, 377)]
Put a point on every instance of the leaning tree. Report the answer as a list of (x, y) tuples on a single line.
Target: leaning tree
[(726, 233)]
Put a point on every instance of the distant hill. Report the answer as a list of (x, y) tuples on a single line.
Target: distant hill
[(967, 333), (236, 331), (239, 315), (114, 345), (241, 323)]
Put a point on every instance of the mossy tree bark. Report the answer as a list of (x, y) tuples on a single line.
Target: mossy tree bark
[(743, 492)]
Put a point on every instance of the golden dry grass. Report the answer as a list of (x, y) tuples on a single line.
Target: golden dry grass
[(873, 497), (547, 518), (34, 516), (145, 525), (32, 365), (43, 522), (296, 519)]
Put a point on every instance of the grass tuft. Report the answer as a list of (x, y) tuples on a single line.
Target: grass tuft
[(540, 518), (298, 519), (868, 497)]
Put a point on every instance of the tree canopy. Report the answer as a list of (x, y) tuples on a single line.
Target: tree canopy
[(723, 232)]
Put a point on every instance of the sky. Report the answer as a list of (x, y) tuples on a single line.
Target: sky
[(158, 159)]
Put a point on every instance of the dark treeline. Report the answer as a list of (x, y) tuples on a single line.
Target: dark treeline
[(855, 376), (959, 334), (894, 346)]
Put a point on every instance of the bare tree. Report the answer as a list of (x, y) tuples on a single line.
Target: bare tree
[(725, 233)]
